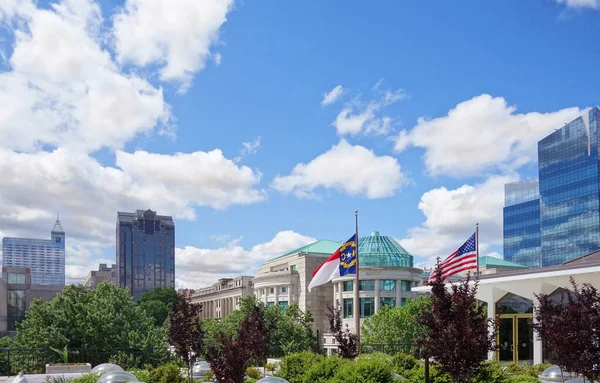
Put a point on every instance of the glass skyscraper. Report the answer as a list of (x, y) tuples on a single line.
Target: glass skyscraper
[(556, 218), (44, 257), (145, 251)]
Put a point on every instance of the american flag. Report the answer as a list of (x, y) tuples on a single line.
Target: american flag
[(463, 259)]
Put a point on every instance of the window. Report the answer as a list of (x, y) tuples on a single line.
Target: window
[(367, 285), (16, 307), (283, 304), (403, 302), (293, 267), (271, 290), (406, 285), (16, 278), (270, 304), (348, 308), (389, 302), (284, 289), (348, 285), (367, 307), (387, 285)]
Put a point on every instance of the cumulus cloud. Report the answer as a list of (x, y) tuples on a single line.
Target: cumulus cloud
[(177, 36), (451, 215), (197, 267), (78, 97), (352, 169), (332, 96), (482, 134), (87, 194), (359, 117), (580, 4)]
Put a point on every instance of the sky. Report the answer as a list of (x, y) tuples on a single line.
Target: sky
[(261, 126)]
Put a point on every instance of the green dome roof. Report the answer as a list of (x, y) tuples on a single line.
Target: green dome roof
[(381, 251)]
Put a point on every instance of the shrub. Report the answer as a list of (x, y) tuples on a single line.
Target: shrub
[(253, 373), (270, 366), (364, 371), (168, 373), (295, 365), (324, 370), (522, 379), (491, 372), (524, 369), (403, 362), (250, 380), (417, 375), (209, 376), (87, 378), (141, 375)]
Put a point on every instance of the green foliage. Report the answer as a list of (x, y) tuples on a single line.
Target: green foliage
[(394, 330), (403, 362), (525, 369), (142, 375), (295, 365), (168, 373), (270, 366), (57, 379), (253, 372), (324, 370), (5, 342), (64, 354), (209, 376), (522, 379), (364, 371), (157, 304), (491, 372), (86, 378), (417, 375), (250, 380), (102, 318)]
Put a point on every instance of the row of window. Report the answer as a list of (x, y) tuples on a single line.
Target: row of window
[(384, 285), (367, 306), (282, 304)]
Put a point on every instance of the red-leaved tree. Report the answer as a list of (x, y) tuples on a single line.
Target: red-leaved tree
[(346, 340), (230, 359), (185, 331), (571, 329), (458, 332)]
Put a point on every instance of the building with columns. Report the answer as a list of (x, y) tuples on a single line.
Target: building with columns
[(223, 297), (511, 295), (387, 275)]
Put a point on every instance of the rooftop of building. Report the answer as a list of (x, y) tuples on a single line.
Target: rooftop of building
[(374, 251), (123, 216)]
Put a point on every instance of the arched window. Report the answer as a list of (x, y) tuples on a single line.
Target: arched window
[(514, 304), (560, 296)]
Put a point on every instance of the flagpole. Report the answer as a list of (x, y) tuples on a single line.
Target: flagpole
[(356, 289), (477, 247)]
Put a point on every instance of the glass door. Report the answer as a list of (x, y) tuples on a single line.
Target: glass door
[(506, 339), (524, 341)]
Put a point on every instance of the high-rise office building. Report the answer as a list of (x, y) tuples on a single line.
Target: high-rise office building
[(44, 257), (556, 217), (145, 251)]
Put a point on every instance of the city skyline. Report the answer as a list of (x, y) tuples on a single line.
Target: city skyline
[(260, 128)]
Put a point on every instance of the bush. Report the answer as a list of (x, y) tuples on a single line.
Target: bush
[(253, 373), (294, 366), (491, 372), (403, 362), (250, 380), (417, 374), (141, 375), (209, 376), (270, 366), (524, 369), (168, 373), (522, 379), (375, 370), (324, 370), (87, 378)]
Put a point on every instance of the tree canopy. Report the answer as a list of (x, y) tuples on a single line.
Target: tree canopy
[(158, 303), (102, 318)]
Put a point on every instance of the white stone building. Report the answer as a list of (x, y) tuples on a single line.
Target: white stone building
[(223, 297)]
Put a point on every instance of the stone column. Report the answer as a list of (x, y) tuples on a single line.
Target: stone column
[(377, 295), (491, 309), (276, 289), (265, 296), (341, 294), (289, 291), (398, 292)]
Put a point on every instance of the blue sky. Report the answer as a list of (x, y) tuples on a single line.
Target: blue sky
[(213, 111)]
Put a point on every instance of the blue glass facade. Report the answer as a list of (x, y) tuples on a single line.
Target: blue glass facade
[(568, 206), (522, 237), (44, 257), (145, 251)]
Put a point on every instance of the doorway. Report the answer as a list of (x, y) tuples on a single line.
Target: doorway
[(515, 333)]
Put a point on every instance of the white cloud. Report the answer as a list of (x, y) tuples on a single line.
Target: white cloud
[(176, 35), (581, 4), (332, 96), (481, 134), (451, 215), (357, 117), (78, 97), (87, 194), (251, 147), (196, 267), (354, 170)]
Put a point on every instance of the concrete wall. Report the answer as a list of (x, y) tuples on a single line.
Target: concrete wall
[(3, 306)]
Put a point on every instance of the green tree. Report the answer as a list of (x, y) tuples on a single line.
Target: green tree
[(102, 318), (158, 303), (394, 330)]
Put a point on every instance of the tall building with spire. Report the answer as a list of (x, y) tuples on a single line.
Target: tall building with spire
[(44, 257)]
